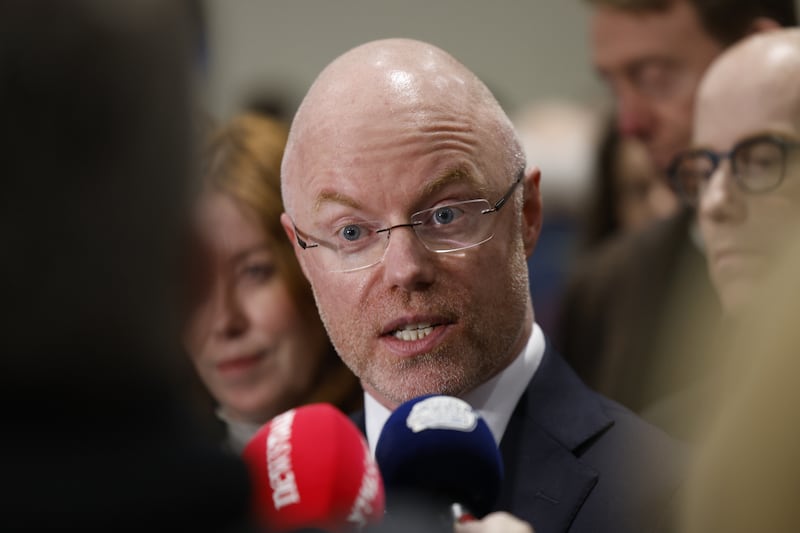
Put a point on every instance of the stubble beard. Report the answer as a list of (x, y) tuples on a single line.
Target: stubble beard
[(453, 368)]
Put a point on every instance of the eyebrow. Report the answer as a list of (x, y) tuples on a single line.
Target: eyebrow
[(650, 60), (336, 198), (251, 251), (450, 176), (632, 68)]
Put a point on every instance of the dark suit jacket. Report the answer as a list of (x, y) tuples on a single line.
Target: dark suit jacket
[(578, 462)]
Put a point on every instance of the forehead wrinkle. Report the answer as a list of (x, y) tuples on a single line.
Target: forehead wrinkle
[(458, 132), (435, 136), (451, 130)]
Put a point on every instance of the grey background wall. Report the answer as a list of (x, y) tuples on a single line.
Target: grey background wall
[(524, 49)]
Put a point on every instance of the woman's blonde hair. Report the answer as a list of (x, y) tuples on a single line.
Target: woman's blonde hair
[(243, 159)]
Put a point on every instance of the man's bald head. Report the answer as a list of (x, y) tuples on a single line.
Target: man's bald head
[(398, 163), (749, 106), (402, 81), (762, 70)]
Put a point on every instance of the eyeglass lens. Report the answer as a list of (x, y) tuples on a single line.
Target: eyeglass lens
[(757, 166)]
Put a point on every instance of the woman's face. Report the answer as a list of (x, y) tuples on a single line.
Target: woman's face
[(247, 339)]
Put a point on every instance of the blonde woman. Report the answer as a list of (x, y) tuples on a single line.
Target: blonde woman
[(253, 333)]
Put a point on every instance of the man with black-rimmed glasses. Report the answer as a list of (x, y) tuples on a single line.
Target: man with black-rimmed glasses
[(634, 315), (742, 170)]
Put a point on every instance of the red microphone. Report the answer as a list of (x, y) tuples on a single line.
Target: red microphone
[(311, 468)]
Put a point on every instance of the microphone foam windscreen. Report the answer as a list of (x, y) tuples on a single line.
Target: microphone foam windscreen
[(311, 468), (439, 446)]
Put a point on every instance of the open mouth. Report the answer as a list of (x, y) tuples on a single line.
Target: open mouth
[(413, 332)]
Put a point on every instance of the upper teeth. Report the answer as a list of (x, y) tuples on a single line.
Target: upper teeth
[(413, 332)]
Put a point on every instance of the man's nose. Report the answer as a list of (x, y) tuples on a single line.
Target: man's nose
[(720, 199), (407, 263), (229, 319), (634, 116)]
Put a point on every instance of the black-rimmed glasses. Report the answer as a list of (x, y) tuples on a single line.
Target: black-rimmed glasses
[(758, 164), (442, 229)]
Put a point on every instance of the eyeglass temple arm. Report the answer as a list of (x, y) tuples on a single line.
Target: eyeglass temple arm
[(501, 202), (303, 244)]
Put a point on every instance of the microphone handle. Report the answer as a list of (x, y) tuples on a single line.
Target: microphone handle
[(460, 514), (408, 511)]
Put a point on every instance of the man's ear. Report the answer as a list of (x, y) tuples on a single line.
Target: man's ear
[(288, 227), (531, 209), (762, 24)]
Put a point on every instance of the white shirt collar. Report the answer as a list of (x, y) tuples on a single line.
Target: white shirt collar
[(494, 400), (239, 433)]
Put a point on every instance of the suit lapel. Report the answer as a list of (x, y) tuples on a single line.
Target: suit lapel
[(545, 482)]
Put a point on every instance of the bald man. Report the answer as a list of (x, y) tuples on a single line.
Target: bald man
[(412, 212), (743, 173), (743, 169)]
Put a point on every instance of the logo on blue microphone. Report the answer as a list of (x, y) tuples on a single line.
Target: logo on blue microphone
[(442, 412)]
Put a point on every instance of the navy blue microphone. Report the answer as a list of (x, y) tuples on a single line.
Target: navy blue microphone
[(436, 451)]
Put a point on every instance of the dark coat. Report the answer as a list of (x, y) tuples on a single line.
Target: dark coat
[(636, 316)]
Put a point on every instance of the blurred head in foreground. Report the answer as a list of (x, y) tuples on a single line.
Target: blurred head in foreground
[(96, 132)]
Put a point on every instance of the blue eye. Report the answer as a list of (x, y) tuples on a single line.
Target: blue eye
[(446, 214), (351, 232)]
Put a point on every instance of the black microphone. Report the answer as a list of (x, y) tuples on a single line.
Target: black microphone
[(439, 463)]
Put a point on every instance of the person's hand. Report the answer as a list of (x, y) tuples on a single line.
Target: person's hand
[(499, 522)]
